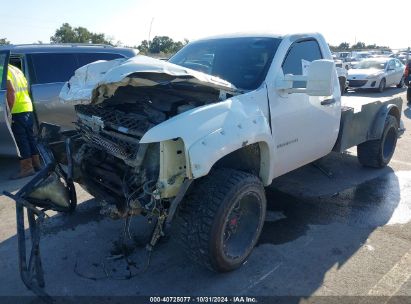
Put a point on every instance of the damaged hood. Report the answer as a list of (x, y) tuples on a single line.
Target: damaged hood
[(99, 80)]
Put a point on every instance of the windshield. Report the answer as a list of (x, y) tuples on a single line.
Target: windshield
[(242, 61), (369, 64)]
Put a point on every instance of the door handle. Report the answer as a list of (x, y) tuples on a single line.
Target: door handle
[(328, 102)]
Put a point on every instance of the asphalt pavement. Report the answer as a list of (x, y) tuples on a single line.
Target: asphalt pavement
[(344, 236)]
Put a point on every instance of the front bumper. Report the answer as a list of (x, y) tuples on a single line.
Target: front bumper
[(363, 83), (55, 147), (30, 264)]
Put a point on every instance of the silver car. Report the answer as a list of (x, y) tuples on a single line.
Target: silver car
[(47, 67), (376, 73)]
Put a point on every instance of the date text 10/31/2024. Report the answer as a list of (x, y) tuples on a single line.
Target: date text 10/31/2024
[(203, 300)]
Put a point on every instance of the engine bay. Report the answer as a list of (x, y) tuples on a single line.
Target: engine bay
[(108, 159)]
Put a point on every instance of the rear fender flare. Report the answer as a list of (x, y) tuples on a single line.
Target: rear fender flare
[(379, 122)]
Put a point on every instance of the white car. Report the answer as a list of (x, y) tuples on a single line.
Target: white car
[(376, 73), (343, 56), (360, 56)]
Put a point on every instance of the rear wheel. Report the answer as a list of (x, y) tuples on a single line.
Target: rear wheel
[(378, 153), (222, 218), (381, 86)]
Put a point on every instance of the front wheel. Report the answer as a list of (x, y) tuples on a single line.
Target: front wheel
[(221, 219), (381, 87)]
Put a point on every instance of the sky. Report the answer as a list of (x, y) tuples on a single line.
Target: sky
[(128, 21)]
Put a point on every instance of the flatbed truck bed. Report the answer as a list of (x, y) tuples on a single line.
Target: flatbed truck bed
[(361, 119)]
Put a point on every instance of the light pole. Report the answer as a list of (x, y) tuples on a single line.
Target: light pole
[(149, 31)]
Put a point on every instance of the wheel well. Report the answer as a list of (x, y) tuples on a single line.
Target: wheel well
[(246, 159)]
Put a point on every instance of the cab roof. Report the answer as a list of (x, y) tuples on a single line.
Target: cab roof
[(242, 35), (292, 37), (67, 48)]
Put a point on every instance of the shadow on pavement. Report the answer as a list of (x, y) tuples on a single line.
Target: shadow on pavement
[(388, 92), (305, 239), (314, 235)]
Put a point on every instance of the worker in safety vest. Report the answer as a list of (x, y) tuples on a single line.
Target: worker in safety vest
[(19, 102)]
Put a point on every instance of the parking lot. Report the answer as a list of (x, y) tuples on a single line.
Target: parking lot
[(326, 236)]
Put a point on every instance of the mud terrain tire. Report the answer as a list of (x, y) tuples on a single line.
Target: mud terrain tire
[(221, 219)]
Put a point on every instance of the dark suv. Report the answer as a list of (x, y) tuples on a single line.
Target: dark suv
[(47, 67), (407, 78)]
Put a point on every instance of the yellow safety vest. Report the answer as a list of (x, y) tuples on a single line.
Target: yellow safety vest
[(22, 101)]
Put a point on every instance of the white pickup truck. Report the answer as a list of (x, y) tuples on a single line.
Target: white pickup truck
[(200, 136)]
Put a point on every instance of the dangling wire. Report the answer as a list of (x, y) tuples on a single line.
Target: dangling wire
[(124, 254), (109, 274)]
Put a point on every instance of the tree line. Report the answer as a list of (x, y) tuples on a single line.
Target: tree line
[(4, 41), (346, 47), (68, 34), (159, 44)]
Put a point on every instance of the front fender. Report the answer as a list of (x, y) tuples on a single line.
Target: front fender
[(212, 131), (204, 153)]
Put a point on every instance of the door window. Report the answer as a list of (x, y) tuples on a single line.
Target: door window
[(17, 62), (86, 58), (300, 52), (398, 64), (51, 68), (299, 57)]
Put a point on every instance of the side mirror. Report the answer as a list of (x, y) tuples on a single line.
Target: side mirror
[(319, 79)]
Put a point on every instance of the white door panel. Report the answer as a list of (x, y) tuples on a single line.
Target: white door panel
[(303, 129)]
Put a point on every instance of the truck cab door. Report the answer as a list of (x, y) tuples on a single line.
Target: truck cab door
[(7, 142), (304, 127)]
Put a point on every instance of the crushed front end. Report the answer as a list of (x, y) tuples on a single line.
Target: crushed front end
[(116, 104)]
